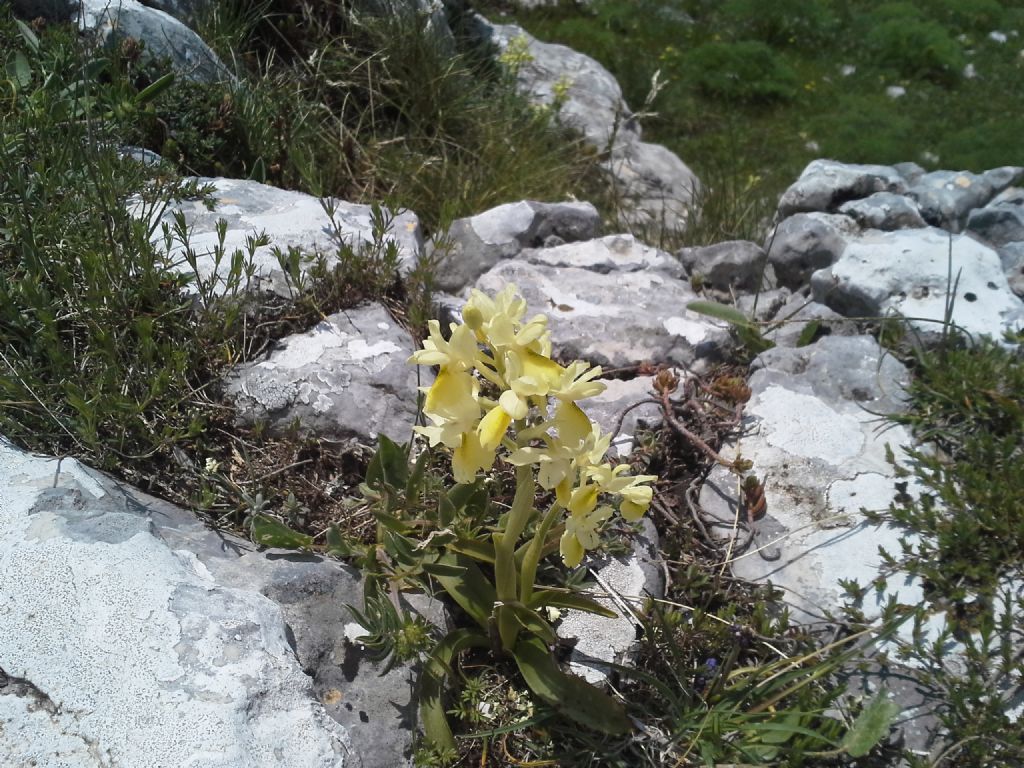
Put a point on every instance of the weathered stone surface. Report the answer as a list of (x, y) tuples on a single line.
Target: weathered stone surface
[(807, 242), (614, 319), (810, 433), (128, 649), (481, 241), (626, 581), (605, 256), (657, 187), (793, 317), (907, 272), (347, 378), (289, 219), (1001, 221), (736, 264), (884, 210), (1012, 257), (947, 197), (613, 409), (825, 184)]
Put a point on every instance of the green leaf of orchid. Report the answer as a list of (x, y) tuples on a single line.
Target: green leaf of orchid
[(572, 696), (572, 600)]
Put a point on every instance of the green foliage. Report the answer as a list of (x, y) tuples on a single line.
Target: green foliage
[(746, 71), (782, 23), (917, 49)]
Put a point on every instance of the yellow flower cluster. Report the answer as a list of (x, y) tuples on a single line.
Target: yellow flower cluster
[(535, 415)]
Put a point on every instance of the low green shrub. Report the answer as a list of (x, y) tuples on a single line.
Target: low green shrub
[(917, 49), (746, 71), (782, 23)]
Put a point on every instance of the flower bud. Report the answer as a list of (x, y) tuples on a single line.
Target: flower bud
[(472, 317)]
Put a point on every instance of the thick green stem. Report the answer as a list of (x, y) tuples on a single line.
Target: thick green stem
[(505, 554), (533, 553)]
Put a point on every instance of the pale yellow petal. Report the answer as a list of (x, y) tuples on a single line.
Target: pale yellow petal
[(493, 427)]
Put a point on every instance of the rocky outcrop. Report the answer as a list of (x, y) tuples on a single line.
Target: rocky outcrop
[(269, 221), (347, 378), (656, 188)]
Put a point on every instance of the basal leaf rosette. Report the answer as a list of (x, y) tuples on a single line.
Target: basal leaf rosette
[(498, 390)]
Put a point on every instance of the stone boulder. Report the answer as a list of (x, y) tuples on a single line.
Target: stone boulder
[(288, 219), (609, 316), (134, 636), (946, 198), (163, 36), (477, 243), (657, 189), (908, 272), (624, 582), (1001, 222), (735, 265), (824, 185), (806, 242), (884, 210), (346, 378)]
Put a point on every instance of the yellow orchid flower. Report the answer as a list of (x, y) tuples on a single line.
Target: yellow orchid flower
[(458, 353), (581, 534)]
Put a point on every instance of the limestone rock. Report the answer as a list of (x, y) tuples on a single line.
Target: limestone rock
[(481, 241), (736, 264), (884, 210), (289, 219), (947, 197), (809, 431), (601, 641), (127, 649), (806, 242), (614, 319), (606, 255), (658, 188), (614, 408), (825, 184), (1001, 221), (907, 272), (346, 378)]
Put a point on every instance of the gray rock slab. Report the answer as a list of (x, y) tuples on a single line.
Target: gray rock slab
[(946, 198), (826, 184), (289, 219), (614, 409), (615, 319), (907, 273), (884, 210), (806, 242), (129, 650), (606, 255), (1001, 221), (735, 264), (810, 430), (793, 317), (477, 243), (625, 582), (346, 378)]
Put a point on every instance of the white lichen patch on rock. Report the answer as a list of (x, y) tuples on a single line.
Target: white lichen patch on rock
[(145, 659)]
